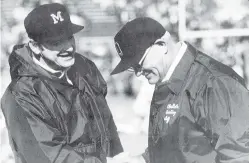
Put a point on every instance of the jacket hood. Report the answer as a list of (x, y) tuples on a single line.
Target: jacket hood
[(22, 64)]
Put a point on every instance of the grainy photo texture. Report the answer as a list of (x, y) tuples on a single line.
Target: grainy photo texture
[(122, 81)]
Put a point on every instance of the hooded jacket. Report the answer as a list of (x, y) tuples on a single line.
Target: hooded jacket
[(201, 115), (50, 120)]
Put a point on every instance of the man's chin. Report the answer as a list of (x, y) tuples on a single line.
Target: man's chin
[(68, 63)]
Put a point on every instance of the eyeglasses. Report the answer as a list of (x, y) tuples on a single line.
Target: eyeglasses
[(139, 66)]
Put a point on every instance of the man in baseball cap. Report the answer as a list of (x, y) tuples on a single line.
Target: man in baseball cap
[(133, 39), (196, 115), (55, 107), (50, 22)]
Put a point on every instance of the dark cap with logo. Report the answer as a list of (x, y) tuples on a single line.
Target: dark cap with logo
[(133, 39), (50, 22)]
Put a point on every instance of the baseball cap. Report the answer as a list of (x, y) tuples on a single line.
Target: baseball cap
[(50, 22), (133, 39)]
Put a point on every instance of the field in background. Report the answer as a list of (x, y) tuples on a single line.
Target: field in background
[(103, 18)]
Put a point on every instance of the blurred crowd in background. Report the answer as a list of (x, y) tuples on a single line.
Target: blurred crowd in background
[(128, 96)]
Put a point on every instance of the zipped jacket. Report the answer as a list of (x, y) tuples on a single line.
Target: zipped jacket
[(201, 115), (50, 120)]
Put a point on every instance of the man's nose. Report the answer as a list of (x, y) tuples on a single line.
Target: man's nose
[(69, 46)]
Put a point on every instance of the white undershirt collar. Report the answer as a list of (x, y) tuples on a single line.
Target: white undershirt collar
[(46, 67), (176, 61)]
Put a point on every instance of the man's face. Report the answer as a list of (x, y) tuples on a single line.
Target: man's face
[(153, 66), (59, 55)]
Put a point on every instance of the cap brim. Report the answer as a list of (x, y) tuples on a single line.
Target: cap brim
[(125, 64), (76, 28)]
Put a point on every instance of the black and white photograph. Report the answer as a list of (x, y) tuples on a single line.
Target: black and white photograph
[(124, 81)]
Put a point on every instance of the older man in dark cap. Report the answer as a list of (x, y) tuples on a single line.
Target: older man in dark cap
[(200, 107), (55, 107)]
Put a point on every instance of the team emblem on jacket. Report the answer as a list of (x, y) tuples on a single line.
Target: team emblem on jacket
[(171, 111)]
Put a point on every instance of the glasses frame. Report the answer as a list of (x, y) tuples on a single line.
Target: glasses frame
[(139, 66)]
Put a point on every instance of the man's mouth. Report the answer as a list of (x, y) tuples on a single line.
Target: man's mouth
[(66, 54)]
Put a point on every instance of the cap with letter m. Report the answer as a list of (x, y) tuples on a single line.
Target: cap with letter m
[(133, 39), (50, 22)]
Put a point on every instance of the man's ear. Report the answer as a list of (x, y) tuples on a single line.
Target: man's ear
[(164, 40), (35, 47)]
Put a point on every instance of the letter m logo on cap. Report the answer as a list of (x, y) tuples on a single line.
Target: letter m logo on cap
[(57, 17)]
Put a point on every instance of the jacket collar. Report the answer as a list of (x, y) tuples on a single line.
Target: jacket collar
[(180, 73), (22, 64)]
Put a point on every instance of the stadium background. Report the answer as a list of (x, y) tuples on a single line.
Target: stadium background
[(128, 96)]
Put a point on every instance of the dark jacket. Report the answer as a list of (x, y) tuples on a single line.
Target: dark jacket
[(50, 120), (201, 115)]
